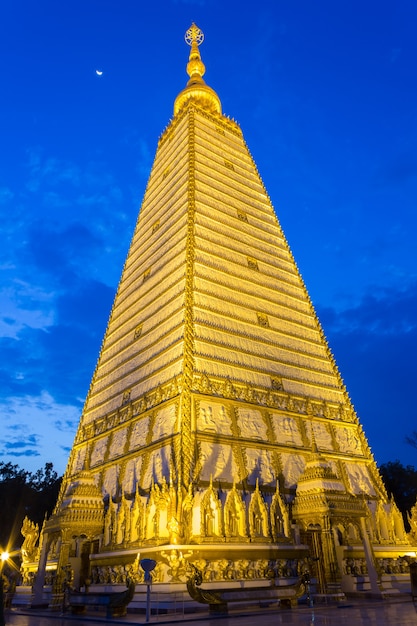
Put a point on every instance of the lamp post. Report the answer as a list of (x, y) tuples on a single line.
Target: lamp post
[(147, 565), (4, 557)]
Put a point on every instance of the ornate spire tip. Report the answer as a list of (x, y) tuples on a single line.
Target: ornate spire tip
[(194, 35)]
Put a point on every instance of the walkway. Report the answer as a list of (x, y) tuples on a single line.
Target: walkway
[(398, 612)]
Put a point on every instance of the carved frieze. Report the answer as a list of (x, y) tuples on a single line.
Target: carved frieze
[(251, 424), (322, 435), (117, 443), (157, 467), (292, 467), (99, 451), (260, 466), (359, 479), (164, 422), (79, 460), (286, 429), (139, 433), (213, 418), (218, 462), (348, 440)]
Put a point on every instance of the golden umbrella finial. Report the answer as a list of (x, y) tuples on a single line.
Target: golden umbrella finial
[(195, 67), (196, 89), (194, 35)]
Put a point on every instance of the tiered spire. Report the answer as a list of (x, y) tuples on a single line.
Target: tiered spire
[(197, 89)]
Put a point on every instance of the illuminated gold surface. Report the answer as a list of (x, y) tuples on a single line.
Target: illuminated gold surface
[(217, 429)]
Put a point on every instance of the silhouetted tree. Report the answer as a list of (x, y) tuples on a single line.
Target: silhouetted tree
[(401, 482), (24, 493)]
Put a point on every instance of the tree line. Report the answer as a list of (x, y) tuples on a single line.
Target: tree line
[(23, 493)]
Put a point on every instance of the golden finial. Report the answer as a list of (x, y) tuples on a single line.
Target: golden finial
[(195, 67), (196, 89), (194, 35)]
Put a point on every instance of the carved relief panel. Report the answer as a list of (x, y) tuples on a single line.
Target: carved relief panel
[(164, 422), (99, 451), (348, 440), (139, 433), (131, 475), (251, 424), (212, 417), (321, 435), (79, 460), (286, 430), (260, 466), (158, 467), (117, 443), (111, 480), (218, 462), (359, 479), (292, 467)]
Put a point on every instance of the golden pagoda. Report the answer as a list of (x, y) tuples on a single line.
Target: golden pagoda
[(217, 431)]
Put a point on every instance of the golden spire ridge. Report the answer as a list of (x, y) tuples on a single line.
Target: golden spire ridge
[(196, 88)]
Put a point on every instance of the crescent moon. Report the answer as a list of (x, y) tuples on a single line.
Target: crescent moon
[(99, 72)]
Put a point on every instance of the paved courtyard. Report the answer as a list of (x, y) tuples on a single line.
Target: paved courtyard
[(400, 612)]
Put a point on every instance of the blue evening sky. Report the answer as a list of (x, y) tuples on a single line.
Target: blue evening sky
[(325, 93)]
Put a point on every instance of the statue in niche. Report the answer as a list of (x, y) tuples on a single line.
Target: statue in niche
[(121, 524), (256, 522), (209, 521), (280, 521), (210, 511), (137, 519), (234, 513), (110, 526), (258, 515), (124, 525), (155, 524), (232, 521)]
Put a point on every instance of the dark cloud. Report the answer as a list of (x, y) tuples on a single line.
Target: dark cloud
[(25, 368), (61, 253), (86, 307), (25, 453), (22, 446), (27, 441)]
